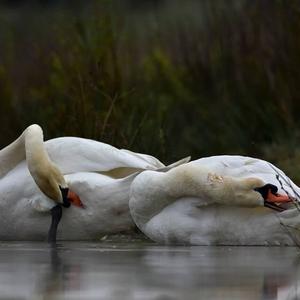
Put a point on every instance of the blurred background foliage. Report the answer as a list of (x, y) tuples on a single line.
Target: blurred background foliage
[(169, 78)]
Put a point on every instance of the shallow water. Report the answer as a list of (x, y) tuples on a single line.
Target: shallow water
[(143, 270)]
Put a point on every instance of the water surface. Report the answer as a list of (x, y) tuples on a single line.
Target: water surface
[(144, 270)]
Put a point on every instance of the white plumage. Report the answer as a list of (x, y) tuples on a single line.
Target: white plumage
[(98, 173), (200, 203)]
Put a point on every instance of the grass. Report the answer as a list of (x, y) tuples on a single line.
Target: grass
[(172, 78)]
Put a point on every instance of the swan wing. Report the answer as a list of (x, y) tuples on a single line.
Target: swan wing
[(145, 157), (174, 165), (74, 154)]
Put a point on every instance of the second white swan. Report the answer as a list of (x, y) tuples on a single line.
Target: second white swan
[(219, 200)]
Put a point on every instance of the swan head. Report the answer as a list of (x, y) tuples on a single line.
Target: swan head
[(272, 198), (266, 194), (52, 183)]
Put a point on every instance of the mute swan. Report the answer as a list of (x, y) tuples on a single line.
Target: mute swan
[(47, 176), (216, 200), (98, 173)]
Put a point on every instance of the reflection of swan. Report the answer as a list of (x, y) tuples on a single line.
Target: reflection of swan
[(220, 272), (215, 200), (98, 173), (101, 271)]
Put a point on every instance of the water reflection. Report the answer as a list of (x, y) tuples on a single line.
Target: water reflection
[(59, 276), (52, 280), (228, 273), (147, 271)]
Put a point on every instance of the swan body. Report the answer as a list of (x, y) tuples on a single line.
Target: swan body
[(213, 201), (98, 173), (24, 209)]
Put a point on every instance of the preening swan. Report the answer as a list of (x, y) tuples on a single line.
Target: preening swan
[(30, 145), (98, 173), (228, 200)]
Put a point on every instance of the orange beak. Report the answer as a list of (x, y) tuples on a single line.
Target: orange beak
[(74, 199), (278, 198)]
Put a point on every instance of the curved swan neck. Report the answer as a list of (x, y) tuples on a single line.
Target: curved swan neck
[(152, 191), (12, 155), (196, 181), (30, 145), (36, 155)]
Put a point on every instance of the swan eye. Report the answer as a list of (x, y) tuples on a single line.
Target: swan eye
[(264, 190), (271, 198)]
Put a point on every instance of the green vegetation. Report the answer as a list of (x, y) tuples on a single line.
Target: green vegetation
[(171, 79)]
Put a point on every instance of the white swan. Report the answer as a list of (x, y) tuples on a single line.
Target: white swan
[(47, 176), (216, 200), (98, 173)]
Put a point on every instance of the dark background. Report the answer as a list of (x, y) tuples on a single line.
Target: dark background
[(169, 78)]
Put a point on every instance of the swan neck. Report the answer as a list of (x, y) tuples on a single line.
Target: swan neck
[(198, 181), (30, 146), (46, 175), (153, 191), (189, 181), (36, 156), (12, 155)]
